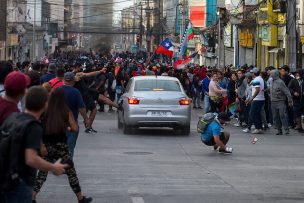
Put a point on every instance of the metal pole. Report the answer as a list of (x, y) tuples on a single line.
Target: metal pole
[(34, 31), (141, 25), (291, 35), (219, 42), (182, 28), (148, 37)]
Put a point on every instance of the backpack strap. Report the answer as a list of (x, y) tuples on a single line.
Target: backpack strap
[(53, 85)]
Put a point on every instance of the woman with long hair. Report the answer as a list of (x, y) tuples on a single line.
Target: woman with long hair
[(58, 119)]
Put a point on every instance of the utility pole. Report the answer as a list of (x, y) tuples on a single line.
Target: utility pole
[(159, 22), (219, 41), (183, 13), (34, 31), (291, 35), (148, 33), (141, 25)]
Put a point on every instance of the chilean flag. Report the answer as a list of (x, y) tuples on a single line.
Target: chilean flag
[(182, 63), (166, 48)]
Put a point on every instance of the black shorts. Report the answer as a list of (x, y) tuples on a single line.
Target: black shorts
[(89, 102), (212, 142)]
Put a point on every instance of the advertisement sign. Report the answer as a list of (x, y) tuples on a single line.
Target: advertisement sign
[(13, 40), (228, 35), (198, 13), (246, 38)]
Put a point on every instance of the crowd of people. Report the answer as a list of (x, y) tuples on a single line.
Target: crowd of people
[(55, 93)]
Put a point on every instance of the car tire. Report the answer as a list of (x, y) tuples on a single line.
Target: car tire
[(185, 130), (127, 129)]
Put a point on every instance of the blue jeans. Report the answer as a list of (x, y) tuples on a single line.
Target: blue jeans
[(206, 104), (196, 98), (72, 139), (21, 194), (255, 113)]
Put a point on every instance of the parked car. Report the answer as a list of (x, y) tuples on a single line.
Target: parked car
[(154, 101)]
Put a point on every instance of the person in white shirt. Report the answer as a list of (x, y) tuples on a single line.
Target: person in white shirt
[(257, 100)]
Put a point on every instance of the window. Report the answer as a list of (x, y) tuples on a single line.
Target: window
[(157, 85), (128, 86)]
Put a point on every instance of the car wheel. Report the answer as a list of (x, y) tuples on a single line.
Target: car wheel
[(127, 129), (185, 130)]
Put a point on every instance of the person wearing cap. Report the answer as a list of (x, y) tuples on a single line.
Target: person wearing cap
[(278, 94), (50, 74), (75, 103), (15, 85), (214, 136), (257, 101), (29, 159)]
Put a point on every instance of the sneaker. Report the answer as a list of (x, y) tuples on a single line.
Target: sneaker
[(86, 200), (246, 130), (88, 130), (286, 132), (92, 130), (237, 124), (279, 132), (228, 150), (269, 125), (257, 131)]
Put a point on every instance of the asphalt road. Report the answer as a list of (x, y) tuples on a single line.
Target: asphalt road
[(158, 166)]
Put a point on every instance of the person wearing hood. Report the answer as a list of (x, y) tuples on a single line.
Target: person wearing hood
[(295, 87), (278, 94)]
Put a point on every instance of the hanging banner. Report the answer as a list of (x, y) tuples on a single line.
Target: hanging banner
[(198, 13)]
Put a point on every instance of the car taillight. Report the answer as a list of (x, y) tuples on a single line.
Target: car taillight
[(184, 102), (133, 101)]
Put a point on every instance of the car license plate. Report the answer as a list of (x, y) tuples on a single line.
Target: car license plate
[(159, 113)]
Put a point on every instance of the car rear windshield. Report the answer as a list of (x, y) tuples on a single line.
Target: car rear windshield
[(157, 85)]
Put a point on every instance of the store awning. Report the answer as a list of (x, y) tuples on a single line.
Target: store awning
[(275, 50)]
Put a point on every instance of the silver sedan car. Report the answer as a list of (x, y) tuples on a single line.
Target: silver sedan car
[(154, 101)]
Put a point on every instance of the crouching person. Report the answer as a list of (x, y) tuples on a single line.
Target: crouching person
[(214, 136)]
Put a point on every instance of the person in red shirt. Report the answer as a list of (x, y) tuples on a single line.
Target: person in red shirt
[(58, 81), (15, 85)]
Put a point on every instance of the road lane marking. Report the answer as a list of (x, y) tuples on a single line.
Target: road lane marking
[(137, 200)]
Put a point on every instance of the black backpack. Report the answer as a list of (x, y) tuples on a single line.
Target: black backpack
[(11, 146)]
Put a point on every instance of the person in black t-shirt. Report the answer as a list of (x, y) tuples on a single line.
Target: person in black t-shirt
[(35, 103)]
